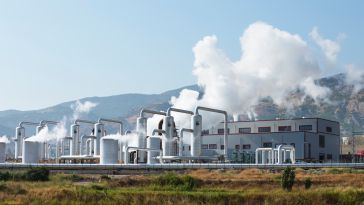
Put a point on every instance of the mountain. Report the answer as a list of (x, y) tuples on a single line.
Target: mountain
[(343, 105), (116, 107)]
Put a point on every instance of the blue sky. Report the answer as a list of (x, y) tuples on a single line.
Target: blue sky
[(55, 51)]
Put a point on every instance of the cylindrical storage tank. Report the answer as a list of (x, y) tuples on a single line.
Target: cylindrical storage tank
[(196, 124), (167, 140), (109, 148), (31, 152), (20, 134), (99, 132), (2, 152), (153, 143), (75, 143), (142, 133)]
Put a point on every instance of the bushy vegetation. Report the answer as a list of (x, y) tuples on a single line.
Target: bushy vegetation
[(34, 174), (172, 180), (288, 178), (308, 183)]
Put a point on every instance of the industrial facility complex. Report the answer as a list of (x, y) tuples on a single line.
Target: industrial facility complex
[(266, 142)]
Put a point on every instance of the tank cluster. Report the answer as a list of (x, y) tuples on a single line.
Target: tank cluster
[(163, 146)]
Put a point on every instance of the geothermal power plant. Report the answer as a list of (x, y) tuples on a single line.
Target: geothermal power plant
[(268, 143)]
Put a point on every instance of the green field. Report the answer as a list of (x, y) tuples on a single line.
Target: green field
[(250, 186)]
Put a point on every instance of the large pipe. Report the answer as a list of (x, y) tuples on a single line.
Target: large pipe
[(180, 150), (113, 121), (82, 142), (141, 129), (144, 111), (171, 109), (142, 149), (225, 125), (75, 134)]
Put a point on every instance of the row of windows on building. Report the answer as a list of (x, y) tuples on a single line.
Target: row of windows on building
[(243, 146), (268, 129)]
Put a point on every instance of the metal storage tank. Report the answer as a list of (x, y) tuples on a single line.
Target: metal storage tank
[(109, 148), (99, 132), (31, 152), (153, 143), (2, 152), (196, 124)]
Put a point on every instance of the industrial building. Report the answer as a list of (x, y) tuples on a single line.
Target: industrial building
[(314, 139)]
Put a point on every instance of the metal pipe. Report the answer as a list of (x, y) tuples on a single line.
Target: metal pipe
[(84, 121), (113, 121), (86, 137), (181, 139), (48, 122), (171, 109), (225, 125), (142, 149), (27, 123), (159, 131), (144, 111)]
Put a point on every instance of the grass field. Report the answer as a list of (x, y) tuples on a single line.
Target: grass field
[(251, 186)]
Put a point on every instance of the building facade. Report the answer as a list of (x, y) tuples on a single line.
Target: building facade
[(315, 139)]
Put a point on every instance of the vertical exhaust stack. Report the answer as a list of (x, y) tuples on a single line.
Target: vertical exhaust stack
[(75, 143), (99, 133), (167, 141), (142, 131), (196, 124)]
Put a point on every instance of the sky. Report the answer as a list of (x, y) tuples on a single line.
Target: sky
[(57, 51)]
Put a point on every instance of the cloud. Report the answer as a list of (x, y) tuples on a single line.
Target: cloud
[(355, 77), (329, 47), (272, 63), (82, 108)]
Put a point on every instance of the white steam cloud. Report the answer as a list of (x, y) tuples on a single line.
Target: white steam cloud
[(4, 139), (355, 77), (329, 47), (47, 134), (82, 108), (273, 62)]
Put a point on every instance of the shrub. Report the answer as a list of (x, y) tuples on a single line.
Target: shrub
[(4, 176), (104, 177), (308, 183), (288, 178), (37, 174), (185, 182)]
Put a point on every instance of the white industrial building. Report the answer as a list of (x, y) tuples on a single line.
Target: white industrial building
[(314, 139)]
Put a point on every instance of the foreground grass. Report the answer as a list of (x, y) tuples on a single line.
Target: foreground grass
[(211, 187)]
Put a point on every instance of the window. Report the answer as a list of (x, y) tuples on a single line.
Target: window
[(189, 147), (204, 146), (263, 129), (221, 131), (321, 157), (205, 132), (267, 144), (305, 127), (222, 147), (246, 146), (328, 129), (212, 146), (237, 147), (284, 128), (183, 148), (322, 141), (245, 130), (329, 156)]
